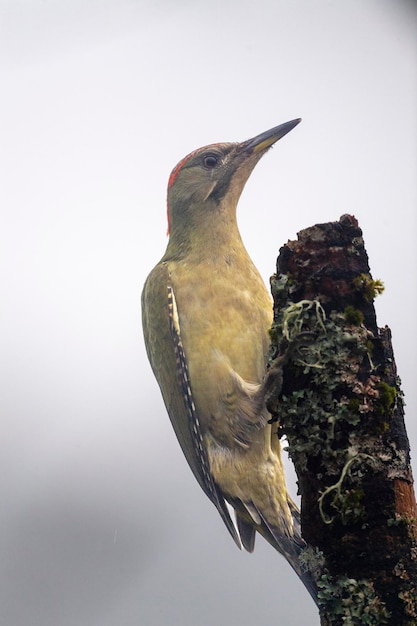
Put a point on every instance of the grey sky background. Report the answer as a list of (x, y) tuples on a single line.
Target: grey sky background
[(102, 522)]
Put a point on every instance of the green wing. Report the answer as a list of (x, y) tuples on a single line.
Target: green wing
[(169, 363)]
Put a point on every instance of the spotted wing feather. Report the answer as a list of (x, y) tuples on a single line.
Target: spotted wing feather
[(168, 360)]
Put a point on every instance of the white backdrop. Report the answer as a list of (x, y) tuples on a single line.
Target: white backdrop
[(102, 522)]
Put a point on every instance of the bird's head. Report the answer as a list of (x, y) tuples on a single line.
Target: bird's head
[(209, 181)]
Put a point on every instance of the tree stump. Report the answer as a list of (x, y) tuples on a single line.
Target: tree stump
[(340, 407)]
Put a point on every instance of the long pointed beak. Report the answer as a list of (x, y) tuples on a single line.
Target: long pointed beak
[(266, 139)]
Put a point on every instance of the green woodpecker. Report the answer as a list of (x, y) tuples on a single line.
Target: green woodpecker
[(206, 315)]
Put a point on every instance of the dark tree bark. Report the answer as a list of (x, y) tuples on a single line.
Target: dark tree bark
[(341, 408)]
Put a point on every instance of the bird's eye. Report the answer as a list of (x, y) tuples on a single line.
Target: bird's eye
[(210, 161)]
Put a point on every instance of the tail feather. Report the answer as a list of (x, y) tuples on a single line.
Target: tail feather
[(291, 547), (247, 533), (290, 543)]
